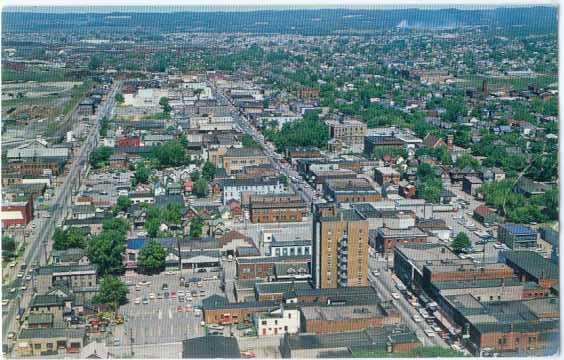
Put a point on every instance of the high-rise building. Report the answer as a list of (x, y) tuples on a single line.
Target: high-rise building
[(340, 247)]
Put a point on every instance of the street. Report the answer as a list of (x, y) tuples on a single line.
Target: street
[(60, 203)]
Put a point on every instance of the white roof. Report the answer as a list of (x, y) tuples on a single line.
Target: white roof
[(11, 215)]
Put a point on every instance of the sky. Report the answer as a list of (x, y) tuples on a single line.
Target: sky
[(220, 5)]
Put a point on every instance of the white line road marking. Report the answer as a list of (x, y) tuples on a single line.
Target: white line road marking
[(169, 314), (160, 314)]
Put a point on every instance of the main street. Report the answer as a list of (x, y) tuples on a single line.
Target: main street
[(62, 200), (295, 181), (385, 285)]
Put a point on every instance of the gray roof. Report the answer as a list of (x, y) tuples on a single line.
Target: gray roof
[(243, 152), (50, 269), (211, 347), (51, 333), (533, 264), (46, 300)]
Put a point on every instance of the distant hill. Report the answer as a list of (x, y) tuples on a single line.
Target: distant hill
[(304, 21)]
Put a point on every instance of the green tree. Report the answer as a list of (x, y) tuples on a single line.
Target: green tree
[(164, 103), (100, 156), (104, 126), (119, 98), (95, 62), (8, 247), (119, 225), (152, 257), (208, 171), (460, 242), (248, 141), (142, 173), (196, 226), (429, 185), (172, 214), (106, 251), (122, 204), (466, 160), (171, 153), (70, 238), (112, 291), (200, 188), (152, 226), (551, 203), (195, 175)]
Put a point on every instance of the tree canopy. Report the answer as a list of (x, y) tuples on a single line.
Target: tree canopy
[(152, 257), (460, 242), (208, 171), (112, 291), (200, 188), (171, 153), (70, 238)]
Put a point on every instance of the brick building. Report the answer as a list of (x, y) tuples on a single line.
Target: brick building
[(16, 213), (386, 175), (350, 190), (276, 208)]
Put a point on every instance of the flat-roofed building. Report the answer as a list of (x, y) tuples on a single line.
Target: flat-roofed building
[(276, 208), (340, 247), (350, 190), (235, 159)]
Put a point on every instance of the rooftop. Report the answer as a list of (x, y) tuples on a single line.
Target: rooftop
[(533, 264), (335, 313)]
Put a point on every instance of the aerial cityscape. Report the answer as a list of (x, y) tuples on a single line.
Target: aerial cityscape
[(279, 183)]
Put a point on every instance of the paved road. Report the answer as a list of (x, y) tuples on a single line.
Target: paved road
[(62, 200), (295, 181), (385, 285)]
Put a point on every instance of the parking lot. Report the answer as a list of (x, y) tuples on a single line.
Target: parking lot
[(156, 319)]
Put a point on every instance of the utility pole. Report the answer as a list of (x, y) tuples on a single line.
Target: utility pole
[(131, 340)]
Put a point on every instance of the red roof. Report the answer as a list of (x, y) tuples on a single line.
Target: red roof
[(483, 211)]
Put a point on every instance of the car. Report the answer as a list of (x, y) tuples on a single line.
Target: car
[(5, 302), (12, 264), (376, 273), (248, 354), (179, 309), (396, 296), (159, 296), (181, 299), (197, 312), (137, 301), (173, 295), (188, 298), (436, 328), (23, 288), (200, 284), (13, 290), (169, 273), (216, 327), (417, 318), (11, 335), (20, 274), (152, 296), (116, 341), (180, 293), (28, 278), (165, 286), (166, 295), (202, 270), (145, 301), (429, 332), (144, 283), (498, 246), (137, 288)]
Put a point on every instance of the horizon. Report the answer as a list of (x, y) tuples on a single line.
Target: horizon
[(135, 8)]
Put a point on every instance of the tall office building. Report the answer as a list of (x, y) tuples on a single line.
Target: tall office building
[(340, 247)]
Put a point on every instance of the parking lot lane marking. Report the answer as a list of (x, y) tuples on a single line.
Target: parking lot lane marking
[(160, 314), (169, 314)]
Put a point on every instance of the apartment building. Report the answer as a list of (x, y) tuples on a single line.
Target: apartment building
[(340, 247)]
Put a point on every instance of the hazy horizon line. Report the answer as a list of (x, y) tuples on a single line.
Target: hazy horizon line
[(249, 8)]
